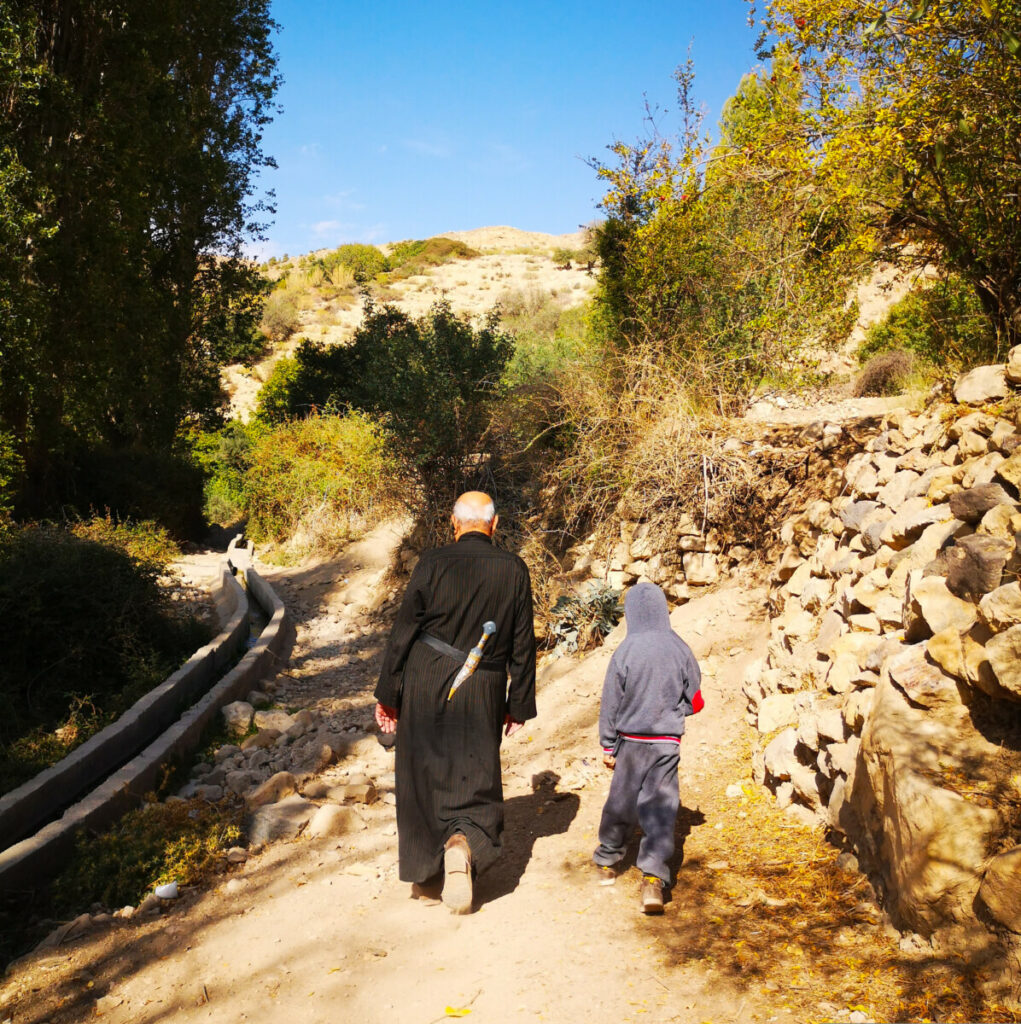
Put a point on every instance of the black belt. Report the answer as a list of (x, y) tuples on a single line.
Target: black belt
[(460, 657)]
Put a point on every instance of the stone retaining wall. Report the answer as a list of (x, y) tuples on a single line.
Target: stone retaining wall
[(22, 865), (891, 694)]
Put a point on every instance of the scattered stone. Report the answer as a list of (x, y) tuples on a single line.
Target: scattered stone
[(316, 789), (330, 821), (148, 905), (778, 757), (357, 793), (1001, 888), (237, 855), (1001, 608), (1004, 654), (930, 608), (734, 791), (225, 752), (276, 787), (212, 794), (981, 386), (281, 820), (276, 719), (258, 697), (237, 717), (1013, 369), (776, 711), (261, 740), (920, 681), (108, 1002)]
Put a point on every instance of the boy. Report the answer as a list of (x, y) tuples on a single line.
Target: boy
[(652, 685)]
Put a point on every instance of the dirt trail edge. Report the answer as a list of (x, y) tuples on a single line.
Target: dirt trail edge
[(761, 924)]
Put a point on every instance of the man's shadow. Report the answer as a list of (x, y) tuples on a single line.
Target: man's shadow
[(544, 812)]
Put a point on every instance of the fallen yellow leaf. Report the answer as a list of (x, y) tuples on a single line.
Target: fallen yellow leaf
[(457, 1011)]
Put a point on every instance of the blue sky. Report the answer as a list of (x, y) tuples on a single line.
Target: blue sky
[(405, 119)]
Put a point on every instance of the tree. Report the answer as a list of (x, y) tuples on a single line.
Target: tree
[(912, 109), (431, 380), (705, 259), (130, 137)]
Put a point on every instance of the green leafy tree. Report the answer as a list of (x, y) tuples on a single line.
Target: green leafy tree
[(912, 109), (704, 260), (431, 380), (129, 139)]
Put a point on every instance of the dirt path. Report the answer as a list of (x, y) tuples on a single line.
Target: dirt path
[(761, 926)]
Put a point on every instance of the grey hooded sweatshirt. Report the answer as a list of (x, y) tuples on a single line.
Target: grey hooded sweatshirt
[(653, 681)]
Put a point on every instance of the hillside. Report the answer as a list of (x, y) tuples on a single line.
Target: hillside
[(512, 263)]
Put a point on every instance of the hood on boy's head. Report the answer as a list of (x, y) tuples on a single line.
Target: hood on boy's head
[(645, 609)]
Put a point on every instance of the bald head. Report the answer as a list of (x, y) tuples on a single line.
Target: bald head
[(474, 510)]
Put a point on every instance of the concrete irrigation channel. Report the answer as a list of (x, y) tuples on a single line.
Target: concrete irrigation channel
[(110, 773)]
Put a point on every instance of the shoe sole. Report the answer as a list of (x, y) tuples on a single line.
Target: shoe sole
[(457, 881), (606, 880), (652, 908)]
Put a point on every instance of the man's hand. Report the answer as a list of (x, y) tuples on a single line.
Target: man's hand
[(386, 718), (609, 761), (511, 725)]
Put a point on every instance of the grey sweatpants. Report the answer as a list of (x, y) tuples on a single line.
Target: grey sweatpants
[(643, 792)]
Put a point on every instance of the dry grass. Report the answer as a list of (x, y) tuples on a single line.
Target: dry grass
[(783, 918)]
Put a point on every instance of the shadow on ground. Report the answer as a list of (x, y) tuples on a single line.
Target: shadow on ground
[(544, 812)]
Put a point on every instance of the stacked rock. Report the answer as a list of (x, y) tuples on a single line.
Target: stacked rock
[(893, 672)]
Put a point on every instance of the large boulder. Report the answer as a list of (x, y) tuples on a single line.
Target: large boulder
[(237, 717), (1001, 888), (1001, 608), (1004, 654), (928, 841), (975, 564), (929, 608), (971, 505), (982, 385), (919, 680), (281, 820), (1013, 371)]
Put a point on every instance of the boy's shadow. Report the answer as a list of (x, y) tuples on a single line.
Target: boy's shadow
[(687, 819), (544, 812)]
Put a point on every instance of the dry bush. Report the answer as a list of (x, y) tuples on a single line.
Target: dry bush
[(888, 373)]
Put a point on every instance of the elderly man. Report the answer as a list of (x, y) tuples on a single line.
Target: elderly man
[(449, 790)]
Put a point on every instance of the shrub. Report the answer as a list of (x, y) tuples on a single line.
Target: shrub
[(415, 257), (943, 324), (280, 318), (364, 261), (180, 841), (147, 543), (225, 456), (888, 373), (275, 396), (430, 381), (326, 474), (579, 622), (85, 630), (564, 257)]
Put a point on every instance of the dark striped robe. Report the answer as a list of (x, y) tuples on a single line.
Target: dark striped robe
[(448, 752)]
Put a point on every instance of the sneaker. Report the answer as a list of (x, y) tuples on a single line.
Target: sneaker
[(457, 879), (605, 874), (652, 895)]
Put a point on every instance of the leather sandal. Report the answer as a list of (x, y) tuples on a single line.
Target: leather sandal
[(457, 878)]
